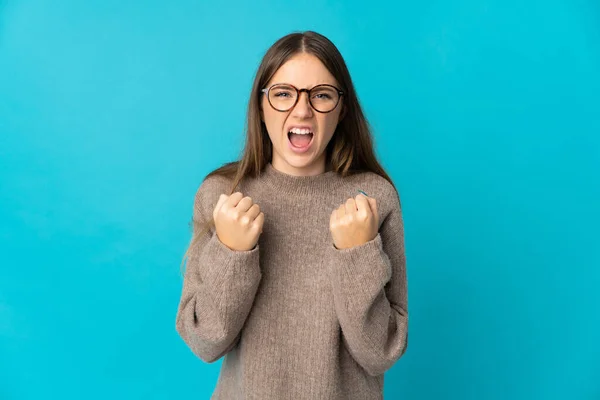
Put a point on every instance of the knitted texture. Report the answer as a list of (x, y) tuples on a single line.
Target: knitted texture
[(295, 317)]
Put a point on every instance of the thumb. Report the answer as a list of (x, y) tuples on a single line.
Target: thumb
[(222, 199)]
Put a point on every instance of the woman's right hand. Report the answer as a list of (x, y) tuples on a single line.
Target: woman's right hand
[(238, 221)]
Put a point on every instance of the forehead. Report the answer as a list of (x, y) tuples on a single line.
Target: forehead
[(303, 71)]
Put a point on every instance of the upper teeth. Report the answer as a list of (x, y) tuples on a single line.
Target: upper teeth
[(300, 131)]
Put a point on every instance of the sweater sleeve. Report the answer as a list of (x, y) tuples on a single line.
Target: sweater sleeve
[(370, 295), (219, 286)]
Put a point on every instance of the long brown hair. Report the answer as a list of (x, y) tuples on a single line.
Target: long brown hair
[(349, 151)]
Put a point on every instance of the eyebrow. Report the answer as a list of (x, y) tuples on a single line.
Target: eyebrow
[(318, 84)]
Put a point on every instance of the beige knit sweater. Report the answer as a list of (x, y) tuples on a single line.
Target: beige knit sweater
[(295, 317)]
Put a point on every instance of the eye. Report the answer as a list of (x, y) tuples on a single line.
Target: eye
[(282, 94), (322, 96)]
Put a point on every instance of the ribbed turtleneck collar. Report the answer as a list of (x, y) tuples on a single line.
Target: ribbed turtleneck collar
[(301, 185)]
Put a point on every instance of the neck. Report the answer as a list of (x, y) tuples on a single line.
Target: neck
[(298, 185), (316, 168)]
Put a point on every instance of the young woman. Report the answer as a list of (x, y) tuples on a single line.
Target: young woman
[(296, 270)]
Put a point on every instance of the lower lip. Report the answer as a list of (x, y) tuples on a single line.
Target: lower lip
[(300, 150)]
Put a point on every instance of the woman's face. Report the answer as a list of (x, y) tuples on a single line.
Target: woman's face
[(304, 71)]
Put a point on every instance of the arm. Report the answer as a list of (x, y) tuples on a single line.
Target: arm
[(218, 289), (370, 295)]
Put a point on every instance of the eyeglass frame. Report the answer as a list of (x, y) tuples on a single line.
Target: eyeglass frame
[(299, 92)]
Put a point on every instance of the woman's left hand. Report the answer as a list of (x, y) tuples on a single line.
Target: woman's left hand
[(355, 222)]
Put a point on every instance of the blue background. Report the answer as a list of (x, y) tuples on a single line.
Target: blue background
[(486, 114)]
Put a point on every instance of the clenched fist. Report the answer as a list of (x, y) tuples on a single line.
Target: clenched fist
[(238, 221), (355, 222)]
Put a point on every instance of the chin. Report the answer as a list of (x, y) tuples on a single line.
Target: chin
[(299, 162)]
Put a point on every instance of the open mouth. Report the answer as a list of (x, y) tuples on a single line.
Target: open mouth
[(300, 138)]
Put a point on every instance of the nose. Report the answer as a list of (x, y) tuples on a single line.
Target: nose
[(302, 109)]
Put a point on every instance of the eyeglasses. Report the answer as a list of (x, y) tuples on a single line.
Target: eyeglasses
[(283, 97)]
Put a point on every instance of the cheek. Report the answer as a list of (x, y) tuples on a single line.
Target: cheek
[(273, 121), (328, 123)]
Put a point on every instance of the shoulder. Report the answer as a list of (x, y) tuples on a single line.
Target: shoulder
[(389, 208), (377, 186), (382, 190), (214, 184), (209, 191)]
